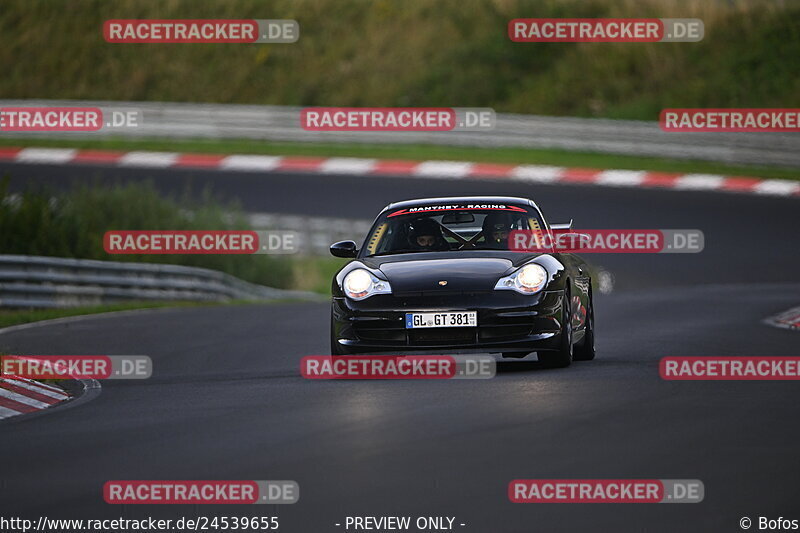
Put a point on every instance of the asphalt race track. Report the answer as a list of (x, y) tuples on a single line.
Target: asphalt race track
[(226, 400)]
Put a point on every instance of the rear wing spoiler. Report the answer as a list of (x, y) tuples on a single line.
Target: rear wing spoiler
[(564, 226)]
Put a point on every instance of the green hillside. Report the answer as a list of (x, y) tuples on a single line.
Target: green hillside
[(409, 53)]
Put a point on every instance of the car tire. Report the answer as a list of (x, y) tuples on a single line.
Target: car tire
[(563, 356), (584, 351)]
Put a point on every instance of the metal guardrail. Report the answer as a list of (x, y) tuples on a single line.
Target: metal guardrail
[(276, 123), (47, 282)]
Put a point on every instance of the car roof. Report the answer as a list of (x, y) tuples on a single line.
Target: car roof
[(511, 200)]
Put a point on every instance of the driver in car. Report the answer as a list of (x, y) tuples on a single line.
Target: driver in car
[(426, 235), (496, 228)]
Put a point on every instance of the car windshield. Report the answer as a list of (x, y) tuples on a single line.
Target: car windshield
[(449, 228)]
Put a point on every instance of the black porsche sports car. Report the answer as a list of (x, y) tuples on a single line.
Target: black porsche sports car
[(437, 275)]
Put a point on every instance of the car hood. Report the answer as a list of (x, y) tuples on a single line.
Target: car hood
[(460, 274)]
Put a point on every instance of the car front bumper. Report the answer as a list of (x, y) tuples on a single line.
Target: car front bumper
[(507, 322)]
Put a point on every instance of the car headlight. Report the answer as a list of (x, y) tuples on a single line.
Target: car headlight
[(359, 284), (529, 279)]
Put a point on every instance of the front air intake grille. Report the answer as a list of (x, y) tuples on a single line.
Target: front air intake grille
[(441, 336)]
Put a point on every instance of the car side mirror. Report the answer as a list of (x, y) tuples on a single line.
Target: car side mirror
[(344, 249)]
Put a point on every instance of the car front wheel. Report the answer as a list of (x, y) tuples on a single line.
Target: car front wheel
[(563, 357)]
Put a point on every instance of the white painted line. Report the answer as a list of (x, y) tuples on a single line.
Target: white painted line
[(347, 165), (34, 388), (621, 178), (537, 173), (148, 159), (255, 163), (23, 399), (443, 169), (46, 155), (699, 182), (432, 169), (5, 412), (780, 187), (40, 385)]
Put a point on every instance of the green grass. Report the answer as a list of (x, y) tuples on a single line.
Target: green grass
[(315, 273), (72, 224), (419, 152), (452, 53)]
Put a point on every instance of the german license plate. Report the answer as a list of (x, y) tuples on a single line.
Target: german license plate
[(442, 319)]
